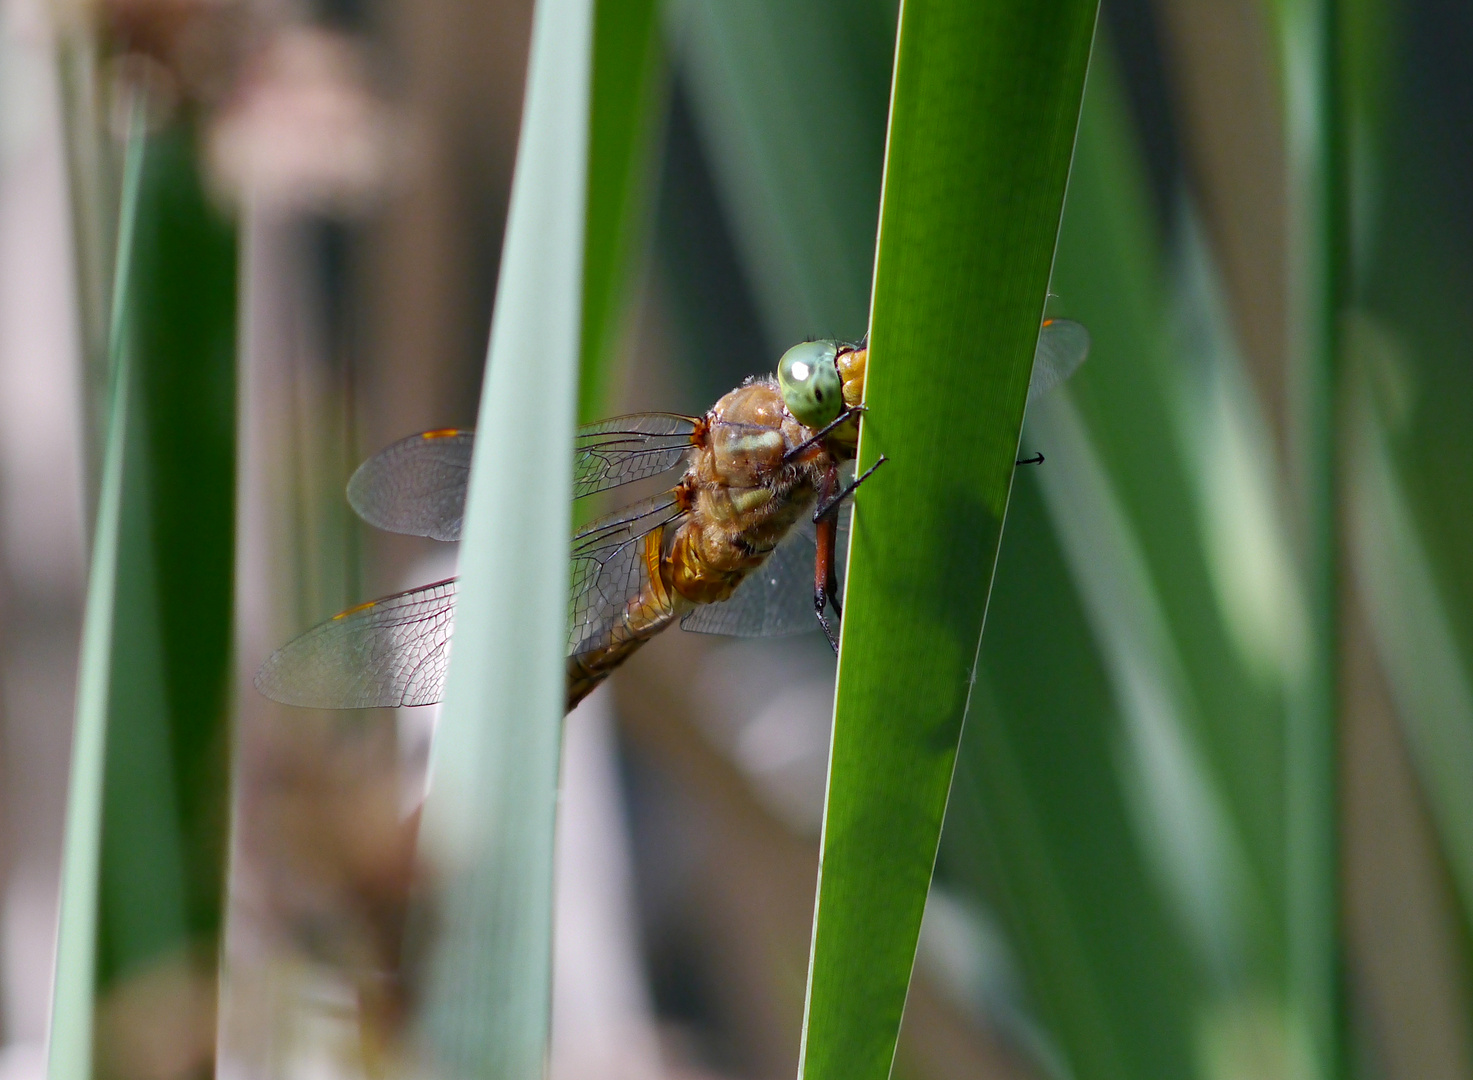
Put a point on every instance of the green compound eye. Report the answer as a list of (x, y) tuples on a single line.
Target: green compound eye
[(809, 378)]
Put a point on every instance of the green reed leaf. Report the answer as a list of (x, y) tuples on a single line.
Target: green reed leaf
[(488, 821), (145, 852), (982, 122)]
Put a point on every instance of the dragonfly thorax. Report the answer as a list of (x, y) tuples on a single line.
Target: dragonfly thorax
[(744, 493)]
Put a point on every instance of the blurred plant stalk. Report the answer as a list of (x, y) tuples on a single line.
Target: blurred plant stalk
[(93, 183), (488, 824), (142, 904), (1318, 261)]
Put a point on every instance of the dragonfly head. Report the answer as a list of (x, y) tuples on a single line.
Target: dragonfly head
[(809, 378)]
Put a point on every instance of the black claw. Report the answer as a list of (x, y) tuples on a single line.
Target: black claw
[(1036, 459), (823, 598), (828, 632)]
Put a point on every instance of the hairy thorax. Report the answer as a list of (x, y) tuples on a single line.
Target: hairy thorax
[(744, 497)]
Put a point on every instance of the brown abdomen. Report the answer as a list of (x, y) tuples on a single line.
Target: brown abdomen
[(587, 670), (652, 609)]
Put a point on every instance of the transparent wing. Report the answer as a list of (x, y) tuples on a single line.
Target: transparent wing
[(417, 485), (628, 448), (609, 568), (395, 651), (385, 653), (1062, 347), (776, 599)]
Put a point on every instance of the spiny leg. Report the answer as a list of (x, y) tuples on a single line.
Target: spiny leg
[(832, 584), (826, 564), (819, 435), (828, 632), (825, 577), (827, 506)]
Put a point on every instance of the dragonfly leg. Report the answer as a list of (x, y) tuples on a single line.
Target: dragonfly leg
[(828, 632), (826, 506), (823, 432), (825, 569), (832, 587), (1036, 459)]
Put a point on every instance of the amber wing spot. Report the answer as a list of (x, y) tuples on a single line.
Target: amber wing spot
[(354, 610), (441, 433)]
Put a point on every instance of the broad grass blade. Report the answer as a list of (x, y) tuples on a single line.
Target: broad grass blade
[(145, 847), (983, 115), (488, 822)]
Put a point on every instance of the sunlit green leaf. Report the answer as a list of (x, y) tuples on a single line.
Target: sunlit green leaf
[(982, 123)]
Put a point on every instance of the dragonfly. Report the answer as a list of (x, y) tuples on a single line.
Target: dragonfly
[(746, 543)]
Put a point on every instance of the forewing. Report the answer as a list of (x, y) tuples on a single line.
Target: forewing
[(386, 653), (1062, 347), (629, 448), (417, 485), (776, 599), (609, 568)]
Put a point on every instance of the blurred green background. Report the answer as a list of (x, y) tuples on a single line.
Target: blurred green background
[(1113, 889)]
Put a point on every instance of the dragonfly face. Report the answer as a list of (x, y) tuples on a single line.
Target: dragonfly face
[(809, 377), (732, 548)]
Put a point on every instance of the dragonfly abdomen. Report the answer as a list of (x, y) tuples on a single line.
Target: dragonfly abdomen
[(654, 607), (688, 563)]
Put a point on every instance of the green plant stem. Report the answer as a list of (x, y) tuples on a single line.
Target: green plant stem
[(1319, 249), (70, 1054), (145, 856)]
